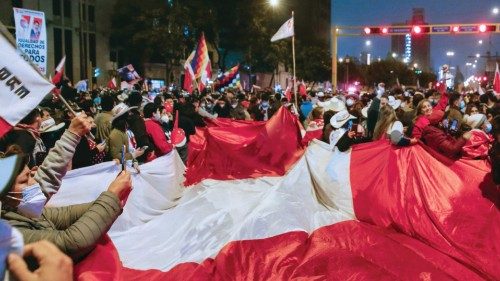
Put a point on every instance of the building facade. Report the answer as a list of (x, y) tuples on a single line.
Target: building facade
[(79, 29), (415, 48)]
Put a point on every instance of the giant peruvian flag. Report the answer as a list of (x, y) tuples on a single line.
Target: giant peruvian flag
[(374, 213), (22, 87)]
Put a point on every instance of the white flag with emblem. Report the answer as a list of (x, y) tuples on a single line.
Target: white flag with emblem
[(285, 31)]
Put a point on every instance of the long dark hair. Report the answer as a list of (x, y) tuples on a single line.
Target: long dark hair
[(120, 123)]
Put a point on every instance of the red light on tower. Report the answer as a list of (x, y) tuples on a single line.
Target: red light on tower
[(368, 30), (482, 28), (417, 29), (456, 29), (385, 30)]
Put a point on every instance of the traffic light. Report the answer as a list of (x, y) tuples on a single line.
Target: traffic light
[(97, 72), (431, 29), (417, 29)]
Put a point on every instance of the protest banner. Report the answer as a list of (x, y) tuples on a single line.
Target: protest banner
[(22, 87), (31, 36)]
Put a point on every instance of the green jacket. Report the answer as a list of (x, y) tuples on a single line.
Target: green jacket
[(117, 139), (74, 229)]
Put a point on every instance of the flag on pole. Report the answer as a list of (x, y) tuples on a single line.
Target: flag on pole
[(22, 87), (58, 76), (59, 72), (112, 83), (496, 81), (200, 64), (285, 31), (230, 78), (189, 74)]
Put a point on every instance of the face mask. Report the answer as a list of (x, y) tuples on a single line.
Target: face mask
[(47, 123), (164, 119), (488, 128), (156, 116), (32, 203), (234, 105)]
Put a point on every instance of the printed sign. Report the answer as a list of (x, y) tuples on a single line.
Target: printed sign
[(31, 36)]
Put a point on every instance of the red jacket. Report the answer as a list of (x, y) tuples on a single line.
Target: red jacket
[(443, 143), (156, 134), (420, 124)]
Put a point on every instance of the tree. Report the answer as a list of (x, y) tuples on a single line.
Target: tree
[(314, 63)]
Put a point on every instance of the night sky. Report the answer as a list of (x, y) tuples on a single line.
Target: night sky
[(385, 12)]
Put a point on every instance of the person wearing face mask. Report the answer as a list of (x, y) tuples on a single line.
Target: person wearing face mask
[(222, 108), (440, 139), (343, 135), (454, 111), (120, 137), (152, 119), (239, 112), (74, 229)]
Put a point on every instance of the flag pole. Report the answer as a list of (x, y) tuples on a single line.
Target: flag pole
[(293, 55)]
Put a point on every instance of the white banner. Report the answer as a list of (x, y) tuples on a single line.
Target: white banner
[(22, 88), (285, 31), (31, 36)]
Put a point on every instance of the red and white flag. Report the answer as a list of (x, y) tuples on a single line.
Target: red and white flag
[(284, 213), (189, 74), (59, 72), (112, 83), (496, 81), (22, 87)]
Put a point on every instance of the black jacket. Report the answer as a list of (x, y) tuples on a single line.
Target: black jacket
[(137, 126)]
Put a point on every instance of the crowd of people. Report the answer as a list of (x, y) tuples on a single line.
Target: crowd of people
[(138, 126)]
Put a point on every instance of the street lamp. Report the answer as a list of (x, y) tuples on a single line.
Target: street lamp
[(273, 3), (478, 55), (415, 65), (450, 53), (480, 42), (341, 60), (394, 55), (368, 43), (495, 11)]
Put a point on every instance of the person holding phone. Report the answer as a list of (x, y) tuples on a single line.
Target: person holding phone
[(342, 136), (152, 119), (443, 139), (119, 136)]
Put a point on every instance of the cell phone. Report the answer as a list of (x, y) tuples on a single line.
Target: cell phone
[(144, 147), (454, 125), (349, 126)]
